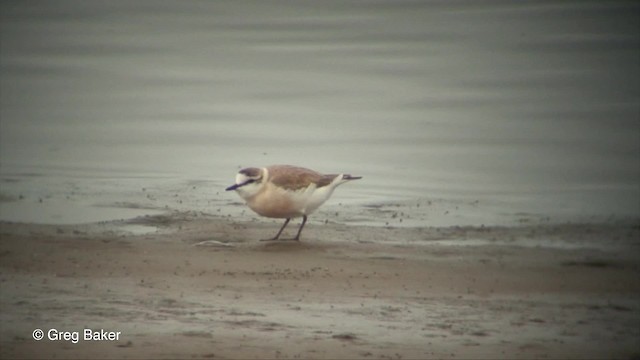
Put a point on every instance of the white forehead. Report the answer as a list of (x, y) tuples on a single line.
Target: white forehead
[(240, 178)]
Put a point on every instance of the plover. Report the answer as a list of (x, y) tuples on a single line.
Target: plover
[(286, 192)]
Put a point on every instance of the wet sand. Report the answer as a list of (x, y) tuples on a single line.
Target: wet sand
[(204, 287)]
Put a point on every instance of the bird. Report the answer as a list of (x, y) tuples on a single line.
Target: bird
[(286, 191)]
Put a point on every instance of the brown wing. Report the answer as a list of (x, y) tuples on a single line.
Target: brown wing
[(294, 178), (326, 180)]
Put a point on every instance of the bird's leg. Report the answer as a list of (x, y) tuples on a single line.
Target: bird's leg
[(279, 232), (304, 221)]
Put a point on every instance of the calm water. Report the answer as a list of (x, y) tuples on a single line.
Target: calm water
[(515, 107)]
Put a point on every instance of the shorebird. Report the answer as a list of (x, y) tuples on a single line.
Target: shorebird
[(286, 192)]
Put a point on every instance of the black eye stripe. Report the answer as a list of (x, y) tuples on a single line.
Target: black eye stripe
[(249, 181)]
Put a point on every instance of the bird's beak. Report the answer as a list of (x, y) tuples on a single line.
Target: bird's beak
[(233, 187)]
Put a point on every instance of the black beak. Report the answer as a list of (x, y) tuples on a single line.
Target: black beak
[(235, 186)]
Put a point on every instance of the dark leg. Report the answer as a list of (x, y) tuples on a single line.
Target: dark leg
[(279, 232), (304, 220)]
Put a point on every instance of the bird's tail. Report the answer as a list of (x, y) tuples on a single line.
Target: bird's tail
[(350, 177)]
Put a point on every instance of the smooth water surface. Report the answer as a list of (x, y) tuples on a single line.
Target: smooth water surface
[(504, 107)]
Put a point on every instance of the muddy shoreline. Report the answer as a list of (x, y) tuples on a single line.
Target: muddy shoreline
[(206, 288)]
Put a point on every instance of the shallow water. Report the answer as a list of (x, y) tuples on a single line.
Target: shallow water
[(490, 110)]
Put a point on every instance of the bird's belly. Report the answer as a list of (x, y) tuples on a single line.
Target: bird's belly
[(277, 204), (317, 198)]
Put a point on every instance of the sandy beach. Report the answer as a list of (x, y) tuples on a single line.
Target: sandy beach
[(205, 287)]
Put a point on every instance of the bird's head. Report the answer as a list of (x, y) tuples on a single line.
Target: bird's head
[(248, 182)]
